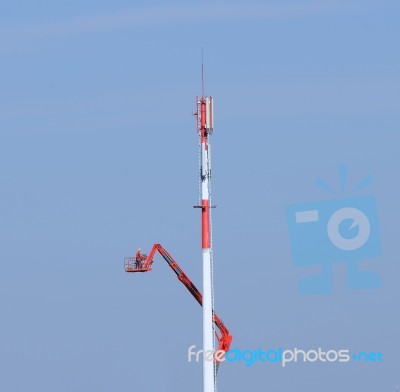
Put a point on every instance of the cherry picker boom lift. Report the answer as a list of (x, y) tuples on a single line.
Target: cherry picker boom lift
[(143, 263)]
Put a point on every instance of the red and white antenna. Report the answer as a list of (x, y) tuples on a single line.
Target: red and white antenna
[(205, 125), (143, 263)]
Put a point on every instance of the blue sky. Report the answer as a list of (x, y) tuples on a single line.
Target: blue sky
[(98, 156)]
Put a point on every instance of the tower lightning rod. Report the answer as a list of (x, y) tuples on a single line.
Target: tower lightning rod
[(205, 128), (202, 71)]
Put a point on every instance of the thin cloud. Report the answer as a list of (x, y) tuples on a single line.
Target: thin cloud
[(165, 15)]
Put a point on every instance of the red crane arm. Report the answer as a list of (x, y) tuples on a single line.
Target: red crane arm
[(224, 339)]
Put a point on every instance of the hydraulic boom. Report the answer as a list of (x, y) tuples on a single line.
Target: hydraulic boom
[(143, 263)]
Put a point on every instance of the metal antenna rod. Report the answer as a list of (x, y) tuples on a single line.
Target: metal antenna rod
[(202, 70)]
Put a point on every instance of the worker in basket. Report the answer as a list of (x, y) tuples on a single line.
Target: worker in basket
[(139, 259)]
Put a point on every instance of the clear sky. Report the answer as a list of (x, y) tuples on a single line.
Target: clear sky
[(98, 156)]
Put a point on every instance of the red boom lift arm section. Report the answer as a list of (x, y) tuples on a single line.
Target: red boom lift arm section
[(143, 263)]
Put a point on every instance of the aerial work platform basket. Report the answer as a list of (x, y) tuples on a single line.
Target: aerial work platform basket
[(135, 264)]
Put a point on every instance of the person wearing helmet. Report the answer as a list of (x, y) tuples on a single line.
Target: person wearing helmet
[(138, 258)]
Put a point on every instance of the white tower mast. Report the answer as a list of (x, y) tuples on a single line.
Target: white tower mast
[(205, 127)]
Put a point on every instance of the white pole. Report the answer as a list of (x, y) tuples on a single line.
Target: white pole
[(208, 341), (208, 365)]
